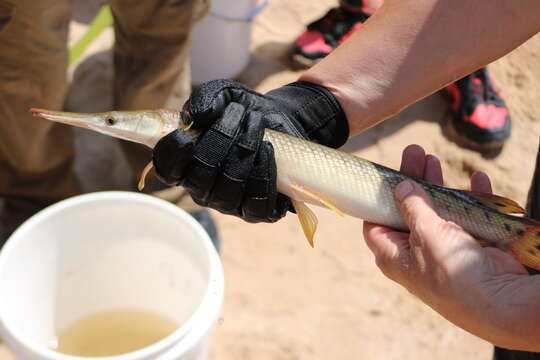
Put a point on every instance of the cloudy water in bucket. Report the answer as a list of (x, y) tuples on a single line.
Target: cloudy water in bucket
[(126, 328), (113, 332)]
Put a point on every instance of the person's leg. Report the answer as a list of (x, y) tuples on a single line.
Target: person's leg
[(323, 35), (35, 155), (151, 49), (151, 59)]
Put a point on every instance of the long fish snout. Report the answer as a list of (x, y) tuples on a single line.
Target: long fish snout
[(144, 126), (89, 121)]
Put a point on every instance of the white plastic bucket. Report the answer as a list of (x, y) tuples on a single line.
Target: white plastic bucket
[(109, 250), (220, 42)]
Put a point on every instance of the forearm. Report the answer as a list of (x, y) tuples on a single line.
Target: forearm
[(411, 48)]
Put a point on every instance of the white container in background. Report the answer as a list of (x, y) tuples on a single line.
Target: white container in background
[(109, 250), (220, 46)]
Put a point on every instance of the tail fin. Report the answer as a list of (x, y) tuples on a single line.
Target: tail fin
[(526, 247)]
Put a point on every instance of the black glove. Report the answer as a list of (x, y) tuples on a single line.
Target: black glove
[(230, 168)]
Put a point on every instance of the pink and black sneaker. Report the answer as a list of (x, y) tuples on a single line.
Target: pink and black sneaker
[(325, 34), (481, 119)]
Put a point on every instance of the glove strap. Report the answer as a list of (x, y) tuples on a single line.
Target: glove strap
[(317, 110)]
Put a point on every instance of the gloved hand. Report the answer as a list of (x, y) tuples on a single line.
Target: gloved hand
[(231, 168)]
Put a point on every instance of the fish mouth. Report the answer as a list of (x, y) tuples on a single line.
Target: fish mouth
[(87, 121)]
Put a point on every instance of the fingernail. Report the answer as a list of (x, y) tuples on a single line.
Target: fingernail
[(431, 159), (403, 189)]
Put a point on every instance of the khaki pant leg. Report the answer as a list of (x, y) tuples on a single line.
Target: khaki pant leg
[(151, 49), (151, 60), (35, 155)]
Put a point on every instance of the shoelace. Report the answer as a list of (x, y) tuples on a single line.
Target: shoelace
[(325, 23), (489, 91), (479, 85)]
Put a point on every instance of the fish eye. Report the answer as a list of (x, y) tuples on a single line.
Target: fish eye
[(110, 121)]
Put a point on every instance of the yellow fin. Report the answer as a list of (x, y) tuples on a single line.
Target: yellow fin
[(525, 246), (496, 202), (144, 173), (317, 197), (307, 218)]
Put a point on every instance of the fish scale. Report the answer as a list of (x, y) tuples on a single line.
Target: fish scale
[(365, 190)]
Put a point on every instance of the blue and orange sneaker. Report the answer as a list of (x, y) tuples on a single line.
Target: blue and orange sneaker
[(325, 34), (481, 119)]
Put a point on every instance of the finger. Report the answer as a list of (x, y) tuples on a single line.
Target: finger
[(210, 152), (433, 171), (208, 102), (384, 241), (417, 211), (432, 240), (171, 155), (413, 161), (229, 188), (480, 182), (390, 247), (262, 202)]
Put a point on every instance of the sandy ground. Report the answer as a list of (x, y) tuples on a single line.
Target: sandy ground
[(285, 300)]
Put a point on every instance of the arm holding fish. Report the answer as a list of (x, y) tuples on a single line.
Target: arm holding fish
[(384, 67), (480, 289)]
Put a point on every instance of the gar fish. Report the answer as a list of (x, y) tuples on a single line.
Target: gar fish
[(319, 175)]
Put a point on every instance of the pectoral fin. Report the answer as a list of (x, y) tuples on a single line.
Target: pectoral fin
[(496, 202), (144, 173), (325, 202), (307, 218)]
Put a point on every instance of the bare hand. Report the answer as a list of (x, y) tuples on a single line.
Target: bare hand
[(480, 289)]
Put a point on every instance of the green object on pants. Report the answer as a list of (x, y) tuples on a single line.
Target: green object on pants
[(150, 57), (102, 20)]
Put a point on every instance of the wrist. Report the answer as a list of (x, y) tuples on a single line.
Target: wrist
[(361, 98), (316, 110)]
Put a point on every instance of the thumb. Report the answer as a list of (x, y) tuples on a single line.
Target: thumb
[(417, 211), (171, 155)]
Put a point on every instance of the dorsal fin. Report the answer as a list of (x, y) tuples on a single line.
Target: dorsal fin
[(496, 202)]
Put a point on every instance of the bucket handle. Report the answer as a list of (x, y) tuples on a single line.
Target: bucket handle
[(249, 17)]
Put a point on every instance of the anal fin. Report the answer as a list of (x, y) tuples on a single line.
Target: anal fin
[(307, 218)]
